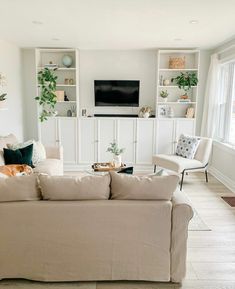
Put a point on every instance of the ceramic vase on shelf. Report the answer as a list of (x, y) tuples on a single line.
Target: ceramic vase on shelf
[(117, 161), (164, 99), (3, 104)]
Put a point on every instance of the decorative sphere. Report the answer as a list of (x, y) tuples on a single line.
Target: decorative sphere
[(67, 60)]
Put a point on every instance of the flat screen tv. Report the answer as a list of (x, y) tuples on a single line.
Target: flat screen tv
[(117, 92)]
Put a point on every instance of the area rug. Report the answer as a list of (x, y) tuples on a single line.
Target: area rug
[(229, 200), (197, 224)]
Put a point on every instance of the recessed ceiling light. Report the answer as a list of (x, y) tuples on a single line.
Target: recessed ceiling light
[(55, 39), (193, 21), (178, 39), (36, 22)]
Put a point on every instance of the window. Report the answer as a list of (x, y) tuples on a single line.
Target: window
[(226, 117)]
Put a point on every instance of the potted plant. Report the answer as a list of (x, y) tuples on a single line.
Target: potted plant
[(185, 81), (113, 148), (145, 111), (47, 98), (3, 100), (164, 94)]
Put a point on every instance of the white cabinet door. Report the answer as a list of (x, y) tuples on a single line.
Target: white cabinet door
[(87, 141), (184, 126), (106, 135), (49, 133), (126, 130), (145, 141), (67, 129), (165, 136)]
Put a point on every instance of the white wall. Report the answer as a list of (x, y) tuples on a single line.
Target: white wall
[(120, 65), (11, 120), (29, 88)]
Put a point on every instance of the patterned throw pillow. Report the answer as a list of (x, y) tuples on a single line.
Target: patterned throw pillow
[(39, 153), (187, 146)]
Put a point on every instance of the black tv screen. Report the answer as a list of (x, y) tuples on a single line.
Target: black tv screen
[(117, 92)]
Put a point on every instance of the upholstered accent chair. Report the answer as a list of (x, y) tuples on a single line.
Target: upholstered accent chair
[(183, 165)]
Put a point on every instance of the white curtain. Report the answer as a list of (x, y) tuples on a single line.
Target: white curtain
[(211, 100)]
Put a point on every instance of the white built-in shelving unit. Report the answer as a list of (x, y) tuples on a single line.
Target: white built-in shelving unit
[(191, 65), (44, 56)]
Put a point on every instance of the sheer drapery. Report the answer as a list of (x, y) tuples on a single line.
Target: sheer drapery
[(211, 100)]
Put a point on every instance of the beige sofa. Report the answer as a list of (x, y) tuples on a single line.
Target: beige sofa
[(52, 165), (87, 240)]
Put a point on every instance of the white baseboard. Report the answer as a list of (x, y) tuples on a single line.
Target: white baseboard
[(230, 184)]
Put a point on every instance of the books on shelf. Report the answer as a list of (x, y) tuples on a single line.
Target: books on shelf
[(181, 100)]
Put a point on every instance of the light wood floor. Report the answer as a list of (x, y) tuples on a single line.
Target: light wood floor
[(211, 254)]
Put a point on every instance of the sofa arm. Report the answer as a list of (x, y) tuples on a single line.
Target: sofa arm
[(54, 152), (182, 213)]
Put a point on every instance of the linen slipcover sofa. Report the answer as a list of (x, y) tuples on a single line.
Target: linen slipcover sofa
[(111, 236)]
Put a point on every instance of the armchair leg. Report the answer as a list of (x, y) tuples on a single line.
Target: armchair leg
[(154, 168), (182, 180), (206, 175)]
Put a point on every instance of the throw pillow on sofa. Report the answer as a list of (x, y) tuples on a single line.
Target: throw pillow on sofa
[(129, 187), (39, 152), (23, 188), (187, 146), (19, 157), (89, 187)]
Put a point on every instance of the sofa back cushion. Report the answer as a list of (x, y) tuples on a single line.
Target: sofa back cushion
[(128, 187), (20, 188), (89, 187)]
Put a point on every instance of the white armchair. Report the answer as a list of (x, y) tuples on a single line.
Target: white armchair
[(183, 165)]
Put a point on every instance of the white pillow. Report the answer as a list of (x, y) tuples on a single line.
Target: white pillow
[(39, 152), (187, 146)]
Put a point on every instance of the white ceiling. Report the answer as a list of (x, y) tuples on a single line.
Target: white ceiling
[(117, 24)]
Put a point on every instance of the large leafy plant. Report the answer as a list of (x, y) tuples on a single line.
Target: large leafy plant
[(47, 98), (113, 148), (186, 80)]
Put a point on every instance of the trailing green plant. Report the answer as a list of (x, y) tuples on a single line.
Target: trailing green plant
[(164, 93), (186, 80), (3, 96), (47, 98), (113, 148)]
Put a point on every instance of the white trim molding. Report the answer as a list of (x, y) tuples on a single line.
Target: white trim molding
[(229, 183)]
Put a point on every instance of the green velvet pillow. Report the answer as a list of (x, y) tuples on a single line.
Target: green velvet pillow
[(19, 157)]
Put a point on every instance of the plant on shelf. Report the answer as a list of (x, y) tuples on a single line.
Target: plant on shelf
[(185, 81), (2, 100), (47, 98), (3, 97), (164, 94), (113, 148)]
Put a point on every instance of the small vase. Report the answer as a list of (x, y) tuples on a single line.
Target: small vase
[(117, 161), (164, 99), (146, 115), (166, 82)]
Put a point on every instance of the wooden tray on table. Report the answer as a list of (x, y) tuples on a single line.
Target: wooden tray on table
[(106, 167)]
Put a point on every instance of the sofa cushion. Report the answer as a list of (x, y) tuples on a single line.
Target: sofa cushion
[(187, 146), (22, 188), (9, 139), (2, 162), (39, 152), (19, 156), (175, 163), (143, 187), (89, 187), (53, 167)]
